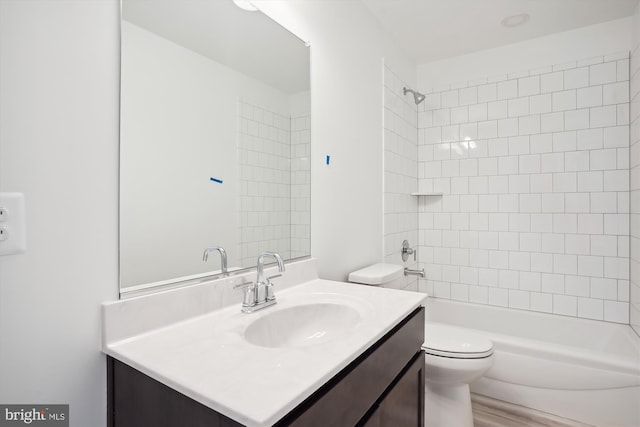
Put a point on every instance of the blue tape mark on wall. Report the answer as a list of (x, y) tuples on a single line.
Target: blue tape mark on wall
[(219, 181), (328, 159)]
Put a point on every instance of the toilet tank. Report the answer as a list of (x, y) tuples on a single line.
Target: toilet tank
[(377, 274)]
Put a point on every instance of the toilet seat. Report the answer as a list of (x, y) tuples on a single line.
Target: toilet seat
[(458, 343)]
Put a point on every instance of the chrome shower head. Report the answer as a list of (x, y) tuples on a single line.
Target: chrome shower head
[(417, 96)]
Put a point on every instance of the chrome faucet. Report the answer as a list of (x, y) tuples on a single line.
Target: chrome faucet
[(260, 280), (259, 294), (223, 256)]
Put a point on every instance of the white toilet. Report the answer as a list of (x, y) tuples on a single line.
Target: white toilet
[(454, 357)]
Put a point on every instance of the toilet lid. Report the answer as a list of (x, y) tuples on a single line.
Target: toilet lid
[(450, 341)]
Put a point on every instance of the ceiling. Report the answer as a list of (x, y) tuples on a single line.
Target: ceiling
[(429, 30), (426, 30), (218, 30)]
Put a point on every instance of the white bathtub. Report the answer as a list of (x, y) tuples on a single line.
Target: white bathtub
[(581, 369)]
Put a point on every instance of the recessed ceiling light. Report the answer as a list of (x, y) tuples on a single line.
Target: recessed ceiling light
[(515, 20), (245, 5)]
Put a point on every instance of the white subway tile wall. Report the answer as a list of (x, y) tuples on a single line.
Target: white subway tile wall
[(300, 185), (633, 288), (264, 150), (534, 168), (401, 165)]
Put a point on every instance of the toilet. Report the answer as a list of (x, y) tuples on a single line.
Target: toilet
[(454, 357)]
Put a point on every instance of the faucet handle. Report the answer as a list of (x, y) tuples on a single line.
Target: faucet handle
[(406, 251), (269, 294), (249, 294)]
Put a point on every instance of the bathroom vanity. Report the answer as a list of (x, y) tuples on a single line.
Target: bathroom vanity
[(362, 366)]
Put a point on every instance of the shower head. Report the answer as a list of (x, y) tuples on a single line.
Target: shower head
[(417, 96)]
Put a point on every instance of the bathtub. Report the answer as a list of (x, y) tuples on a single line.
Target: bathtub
[(585, 370)]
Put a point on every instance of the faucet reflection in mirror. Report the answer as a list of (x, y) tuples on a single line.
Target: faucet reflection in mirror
[(259, 294), (223, 257)]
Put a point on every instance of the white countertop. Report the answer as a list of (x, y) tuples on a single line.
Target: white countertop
[(208, 359)]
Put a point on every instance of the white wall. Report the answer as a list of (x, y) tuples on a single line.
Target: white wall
[(534, 168), (347, 47), (400, 174), (59, 68)]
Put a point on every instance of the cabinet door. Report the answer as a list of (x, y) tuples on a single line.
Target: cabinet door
[(373, 420), (347, 398), (403, 405), (137, 400)]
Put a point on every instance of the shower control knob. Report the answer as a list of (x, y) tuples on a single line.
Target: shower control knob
[(406, 251)]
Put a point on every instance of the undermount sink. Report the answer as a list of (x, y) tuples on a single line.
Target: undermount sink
[(302, 325)]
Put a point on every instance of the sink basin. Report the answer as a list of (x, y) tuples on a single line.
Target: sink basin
[(302, 325)]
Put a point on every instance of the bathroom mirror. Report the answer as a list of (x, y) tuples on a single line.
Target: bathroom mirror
[(214, 140)]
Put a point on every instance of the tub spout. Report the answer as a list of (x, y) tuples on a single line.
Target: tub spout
[(409, 272)]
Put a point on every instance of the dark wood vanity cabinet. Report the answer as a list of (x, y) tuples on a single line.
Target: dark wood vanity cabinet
[(404, 404), (383, 387), (359, 393)]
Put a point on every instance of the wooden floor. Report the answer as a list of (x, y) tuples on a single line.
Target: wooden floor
[(488, 412)]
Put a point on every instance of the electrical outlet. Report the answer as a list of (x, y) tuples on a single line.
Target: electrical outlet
[(13, 236)]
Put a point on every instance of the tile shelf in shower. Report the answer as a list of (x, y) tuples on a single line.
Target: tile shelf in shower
[(426, 194)]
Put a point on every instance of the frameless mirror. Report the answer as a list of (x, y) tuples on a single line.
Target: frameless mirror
[(214, 140)]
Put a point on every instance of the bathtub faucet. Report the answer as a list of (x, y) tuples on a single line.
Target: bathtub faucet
[(409, 272)]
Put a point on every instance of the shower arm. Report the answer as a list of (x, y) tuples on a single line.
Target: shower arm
[(417, 96)]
